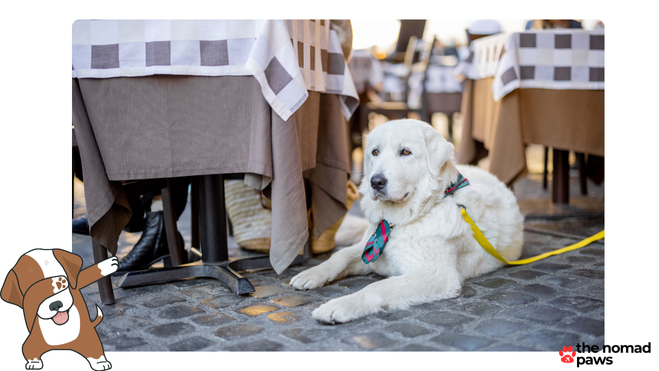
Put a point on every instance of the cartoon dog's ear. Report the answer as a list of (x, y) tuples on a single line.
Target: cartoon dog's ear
[(71, 263), (439, 150), (11, 293)]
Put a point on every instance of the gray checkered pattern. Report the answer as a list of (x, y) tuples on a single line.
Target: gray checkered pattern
[(286, 57), (546, 59)]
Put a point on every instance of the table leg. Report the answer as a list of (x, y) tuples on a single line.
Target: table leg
[(215, 261), (560, 185), (104, 284)]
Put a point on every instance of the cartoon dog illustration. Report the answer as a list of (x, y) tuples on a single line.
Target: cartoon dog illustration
[(46, 283)]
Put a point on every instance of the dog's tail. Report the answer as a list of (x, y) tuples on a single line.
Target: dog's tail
[(351, 231), (99, 316)]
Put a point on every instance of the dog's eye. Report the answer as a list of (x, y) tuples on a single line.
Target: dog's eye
[(405, 152), (375, 152)]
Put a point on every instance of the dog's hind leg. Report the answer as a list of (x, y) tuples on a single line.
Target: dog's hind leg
[(346, 262), (397, 292)]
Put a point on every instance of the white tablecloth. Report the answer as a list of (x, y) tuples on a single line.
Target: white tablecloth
[(546, 59), (287, 58)]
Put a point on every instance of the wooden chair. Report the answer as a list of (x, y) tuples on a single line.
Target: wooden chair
[(397, 110), (408, 28)]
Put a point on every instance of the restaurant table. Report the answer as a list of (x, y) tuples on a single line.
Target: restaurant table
[(540, 86), (267, 98)]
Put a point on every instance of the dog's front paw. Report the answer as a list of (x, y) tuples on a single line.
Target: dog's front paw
[(312, 278), (340, 310), (109, 266)]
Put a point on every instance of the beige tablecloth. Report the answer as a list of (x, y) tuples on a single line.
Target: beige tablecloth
[(171, 126), (570, 120)]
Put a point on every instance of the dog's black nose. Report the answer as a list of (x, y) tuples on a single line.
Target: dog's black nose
[(55, 306), (378, 182)]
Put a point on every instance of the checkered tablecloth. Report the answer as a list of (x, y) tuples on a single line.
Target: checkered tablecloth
[(287, 58), (546, 59)]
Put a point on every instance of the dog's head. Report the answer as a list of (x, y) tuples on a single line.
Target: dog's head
[(40, 283), (406, 161)]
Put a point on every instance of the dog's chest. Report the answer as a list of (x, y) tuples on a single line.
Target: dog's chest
[(402, 253), (54, 334)]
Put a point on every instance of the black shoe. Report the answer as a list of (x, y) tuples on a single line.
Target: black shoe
[(81, 225), (151, 247)]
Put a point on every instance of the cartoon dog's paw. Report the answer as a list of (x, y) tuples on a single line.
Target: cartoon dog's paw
[(99, 364), (312, 278), (109, 266), (34, 364)]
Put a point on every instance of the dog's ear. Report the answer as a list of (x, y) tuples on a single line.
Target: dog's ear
[(367, 163), (11, 293), (439, 150), (71, 263)]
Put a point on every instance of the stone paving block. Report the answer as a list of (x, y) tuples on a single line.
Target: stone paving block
[(538, 290), (356, 284), (566, 282), (592, 251), (241, 330), (596, 291), (589, 273), (480, 308), (510, 298), (467, 292), (294, 300), (329, 291), (109, 311), (162, 300), (418, 348), (539, 313), (495, 283), (583, 325), (261, 345), (369, 341), (579, 303), (308, 336), (550, 340), (526, 274), (408, 330), (285, 317), (212, 319), (124, 342), (261, 292), (223, 301), (580, 260), (190, 344), (170, 329), (394, 315), (180, 311), (550, 267), (464, 342), (500, 327), (205, 291), (445, 319), (257, 310)]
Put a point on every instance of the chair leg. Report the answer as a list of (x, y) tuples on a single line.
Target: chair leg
[(175, 248), (450, 126), (105, 283), (544, 171), (581, 162), (194, 210)]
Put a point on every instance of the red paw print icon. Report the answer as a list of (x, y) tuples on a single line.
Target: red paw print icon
[(567, 355)]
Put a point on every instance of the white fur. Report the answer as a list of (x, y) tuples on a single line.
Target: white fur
[(431, 250)]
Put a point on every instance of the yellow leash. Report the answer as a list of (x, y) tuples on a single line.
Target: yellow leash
[(488, 247)]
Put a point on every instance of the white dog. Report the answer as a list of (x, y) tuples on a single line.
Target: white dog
[(430, 249)]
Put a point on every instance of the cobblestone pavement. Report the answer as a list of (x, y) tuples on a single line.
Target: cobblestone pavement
[(543, 306)]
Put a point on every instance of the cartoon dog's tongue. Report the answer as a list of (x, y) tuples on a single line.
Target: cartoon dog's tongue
[(61, 318)]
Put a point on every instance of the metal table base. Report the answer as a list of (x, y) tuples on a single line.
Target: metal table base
[(215, 261)]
